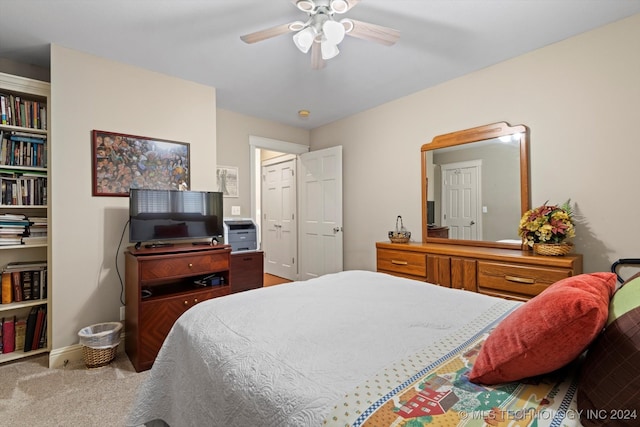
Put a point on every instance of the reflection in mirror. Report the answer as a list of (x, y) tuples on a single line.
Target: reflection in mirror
[(476, 189), (476, 185)]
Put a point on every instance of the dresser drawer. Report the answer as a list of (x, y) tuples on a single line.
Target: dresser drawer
[(159, 315), (404, 262), (247, 271), (182, 266), (515, 279)]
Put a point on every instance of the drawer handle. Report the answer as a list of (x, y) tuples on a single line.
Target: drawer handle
[(522, 280), (393, 261), (190, 265), (195, 300), (186, 303)]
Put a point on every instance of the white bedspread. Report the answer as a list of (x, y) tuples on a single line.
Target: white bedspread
[(284, 355)]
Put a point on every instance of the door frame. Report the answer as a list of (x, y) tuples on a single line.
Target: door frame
[(257, 143)]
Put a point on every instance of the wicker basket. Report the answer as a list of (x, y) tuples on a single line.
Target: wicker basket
[(553, 249), (399, 238), (97, 357), (100, 343), (400, 234)]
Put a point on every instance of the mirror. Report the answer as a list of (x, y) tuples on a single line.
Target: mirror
[(475, 186)]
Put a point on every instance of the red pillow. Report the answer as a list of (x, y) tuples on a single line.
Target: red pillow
[(548, 331)]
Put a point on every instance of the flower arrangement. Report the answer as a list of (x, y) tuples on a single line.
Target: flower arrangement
[(547, 224)]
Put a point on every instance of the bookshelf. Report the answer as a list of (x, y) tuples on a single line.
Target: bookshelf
[(24, 157)]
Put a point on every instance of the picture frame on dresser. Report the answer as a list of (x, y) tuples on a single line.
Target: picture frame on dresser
[(121, 161)]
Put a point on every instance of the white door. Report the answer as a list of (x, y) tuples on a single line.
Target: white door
[(320, 202), (461, 200), (279, 231)]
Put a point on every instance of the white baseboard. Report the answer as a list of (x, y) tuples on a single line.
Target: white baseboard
[(72, 354)]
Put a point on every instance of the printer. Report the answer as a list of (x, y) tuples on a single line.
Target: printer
[(241, 234)]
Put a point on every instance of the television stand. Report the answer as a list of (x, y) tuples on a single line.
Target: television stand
[(159, 287)]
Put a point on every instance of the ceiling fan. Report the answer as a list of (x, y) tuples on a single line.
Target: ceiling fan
[(322, 33)]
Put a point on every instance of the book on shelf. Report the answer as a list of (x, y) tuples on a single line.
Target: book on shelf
[(16, 281), (8, 334), (21, 331), (34, 240), (25, 265), (10, 241), (26, 285), (35, 284), (35, 343), (7, 288), (31, 328), (43, 334)]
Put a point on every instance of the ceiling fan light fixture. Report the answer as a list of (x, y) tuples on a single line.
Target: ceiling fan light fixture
[(328, 49), (333, 31), (296, 26), (347, 24), (305, 5), (304, 39), (339, 6)]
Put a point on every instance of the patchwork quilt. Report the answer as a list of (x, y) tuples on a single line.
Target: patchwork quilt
[(429, 389)]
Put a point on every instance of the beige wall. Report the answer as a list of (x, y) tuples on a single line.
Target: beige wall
[(580, 99), (233, 149), (94, 93)]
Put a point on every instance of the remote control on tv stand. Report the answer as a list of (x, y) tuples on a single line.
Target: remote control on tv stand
[(158, 245)]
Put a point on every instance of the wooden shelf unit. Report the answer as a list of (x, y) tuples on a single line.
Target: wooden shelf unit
[(39, 91), (160, 287)]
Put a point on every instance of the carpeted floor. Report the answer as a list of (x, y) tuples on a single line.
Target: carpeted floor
[(33, 395)]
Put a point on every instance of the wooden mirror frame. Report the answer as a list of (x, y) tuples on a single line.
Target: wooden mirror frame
[(467, 136)]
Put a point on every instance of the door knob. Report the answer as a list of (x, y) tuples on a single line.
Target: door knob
[(336, 229), (472, 223)]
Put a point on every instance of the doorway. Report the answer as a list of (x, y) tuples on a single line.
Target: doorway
[(279, 216), (461, 199), (319, 243)]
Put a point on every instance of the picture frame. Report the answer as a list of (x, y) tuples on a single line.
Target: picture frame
[(227, 178), (122, 161)]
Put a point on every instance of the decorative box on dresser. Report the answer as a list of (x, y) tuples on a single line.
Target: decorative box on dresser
[(247, 271), (160, 286), (507, 273)]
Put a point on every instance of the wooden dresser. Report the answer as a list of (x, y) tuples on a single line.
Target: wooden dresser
[(160, 287), (506, 273)]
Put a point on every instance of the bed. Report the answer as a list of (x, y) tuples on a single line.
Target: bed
[(355, 348)]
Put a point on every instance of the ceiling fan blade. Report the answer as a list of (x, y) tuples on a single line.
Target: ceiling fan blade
[(316, 57), (372, 32), (258, 36)]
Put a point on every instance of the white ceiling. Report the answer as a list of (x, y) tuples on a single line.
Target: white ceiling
[(199, 40)]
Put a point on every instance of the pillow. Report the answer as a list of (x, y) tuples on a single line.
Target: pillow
[(626, 298), (546, 332), (609, 378)]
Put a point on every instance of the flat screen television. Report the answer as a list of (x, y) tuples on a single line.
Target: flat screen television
[(157, 216)]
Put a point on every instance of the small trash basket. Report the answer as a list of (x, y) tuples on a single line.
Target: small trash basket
[(100, 343)]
